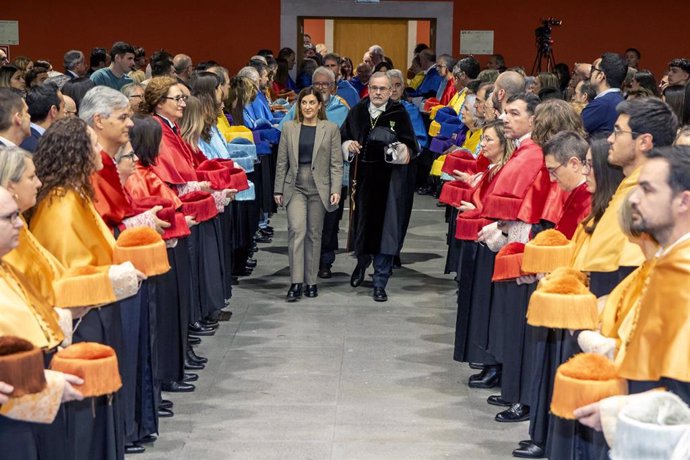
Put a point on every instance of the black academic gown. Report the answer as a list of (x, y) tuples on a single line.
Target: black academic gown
[(382, 192)]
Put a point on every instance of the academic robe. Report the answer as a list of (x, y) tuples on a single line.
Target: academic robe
[(608, 248), (658, 340), (37, 269), (576, 208), (109, 198), (85, 239), (175, 160), (521, 192), (381, 190)]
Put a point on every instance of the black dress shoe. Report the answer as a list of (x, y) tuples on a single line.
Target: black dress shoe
[(198, 329), (294, 293), (212, 323), (357, 275), (324, 273), (266, 231), (177, 387), (134, 448), (526, 442), (479, 375), (477, 366), (517, 413), (190, 366), (189, 377), (193, 357), (166, 404), (165, 413), (148, 439), (250, 263), (532, 450), (259, 238), (246, 271), (311, 290), (193, 340), (424, 190), (380, 294), (491, 378), (496, 400), (397, 263)]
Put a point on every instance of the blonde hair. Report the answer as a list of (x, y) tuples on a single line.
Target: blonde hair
[(12, 164), (193, 122)]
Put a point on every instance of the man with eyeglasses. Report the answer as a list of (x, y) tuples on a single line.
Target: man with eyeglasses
[(606, 76), (376, 131), (344, 89), (445, 65)]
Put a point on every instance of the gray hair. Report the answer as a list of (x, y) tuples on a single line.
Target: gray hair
[(250, 73), (128, 89), (470, 99), (376, 49), (12, 164), (381, 75), (72, 58), (324, 71), (101, 100), (395, 73), (57, 80)]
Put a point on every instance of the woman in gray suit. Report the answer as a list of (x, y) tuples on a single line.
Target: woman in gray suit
[(308, 182)]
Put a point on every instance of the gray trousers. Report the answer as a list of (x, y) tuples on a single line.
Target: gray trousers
[(305, 214)]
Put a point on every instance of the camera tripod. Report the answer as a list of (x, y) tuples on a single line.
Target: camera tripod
[(544, 52)]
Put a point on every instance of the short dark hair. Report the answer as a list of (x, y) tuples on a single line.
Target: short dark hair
[(681, 63), (473, 86), (650, 115), (265, 52), (565, 145), (678, 159), (470, 66), (309, 91), (40, 100), (205, 65), (145, 137), (646, 80), (97, 56), (139, 52), (285, 53), (77, 88), (589, 90), (120, 48), (332, 57), (634, 50), (161, 63), (420, 47), (615, 68), (532, 101), (10, 103)]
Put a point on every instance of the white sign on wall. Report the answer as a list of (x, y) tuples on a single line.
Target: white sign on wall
[(476, 42), (9, 32)]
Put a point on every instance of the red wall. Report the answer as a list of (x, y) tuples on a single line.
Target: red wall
[(204, 29), (230, 33), (589, 28)]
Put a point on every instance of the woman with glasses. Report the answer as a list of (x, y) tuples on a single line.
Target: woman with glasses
[(175, 165), (308, 182)]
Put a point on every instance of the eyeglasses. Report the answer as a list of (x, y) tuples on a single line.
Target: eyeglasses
[(127, 156), (140, 96), (177, 99), (617, 132), (587, 167), (378, 89), (322, 84), (12, 218), (595, 68), (552, 171)]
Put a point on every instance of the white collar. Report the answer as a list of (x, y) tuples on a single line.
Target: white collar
[(38, 128), (374, 111), (664, 251), (522, 139), (7, 142), (610, 90), (170, 123)]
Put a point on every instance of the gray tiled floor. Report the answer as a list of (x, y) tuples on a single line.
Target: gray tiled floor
[(339, 376)]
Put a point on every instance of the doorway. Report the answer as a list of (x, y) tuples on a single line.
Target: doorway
[(351, 37)]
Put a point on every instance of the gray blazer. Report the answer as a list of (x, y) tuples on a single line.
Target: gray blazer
[(326, 161)]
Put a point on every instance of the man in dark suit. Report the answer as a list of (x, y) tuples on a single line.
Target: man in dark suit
[(75, 65), (46, 105), (14, 118), (607, 76)]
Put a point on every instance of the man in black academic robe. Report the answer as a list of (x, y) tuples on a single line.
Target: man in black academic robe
[(380, 190)]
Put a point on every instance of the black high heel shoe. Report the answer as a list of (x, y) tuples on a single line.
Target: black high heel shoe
[(294, 293)]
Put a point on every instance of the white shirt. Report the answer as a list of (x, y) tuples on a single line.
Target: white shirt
[(38, 128), (663, 251), (610, 90), (374, 111), (7, 142), (522, 139)]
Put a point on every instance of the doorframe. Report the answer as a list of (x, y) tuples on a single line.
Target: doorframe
[(300, 33), (440, 12)]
